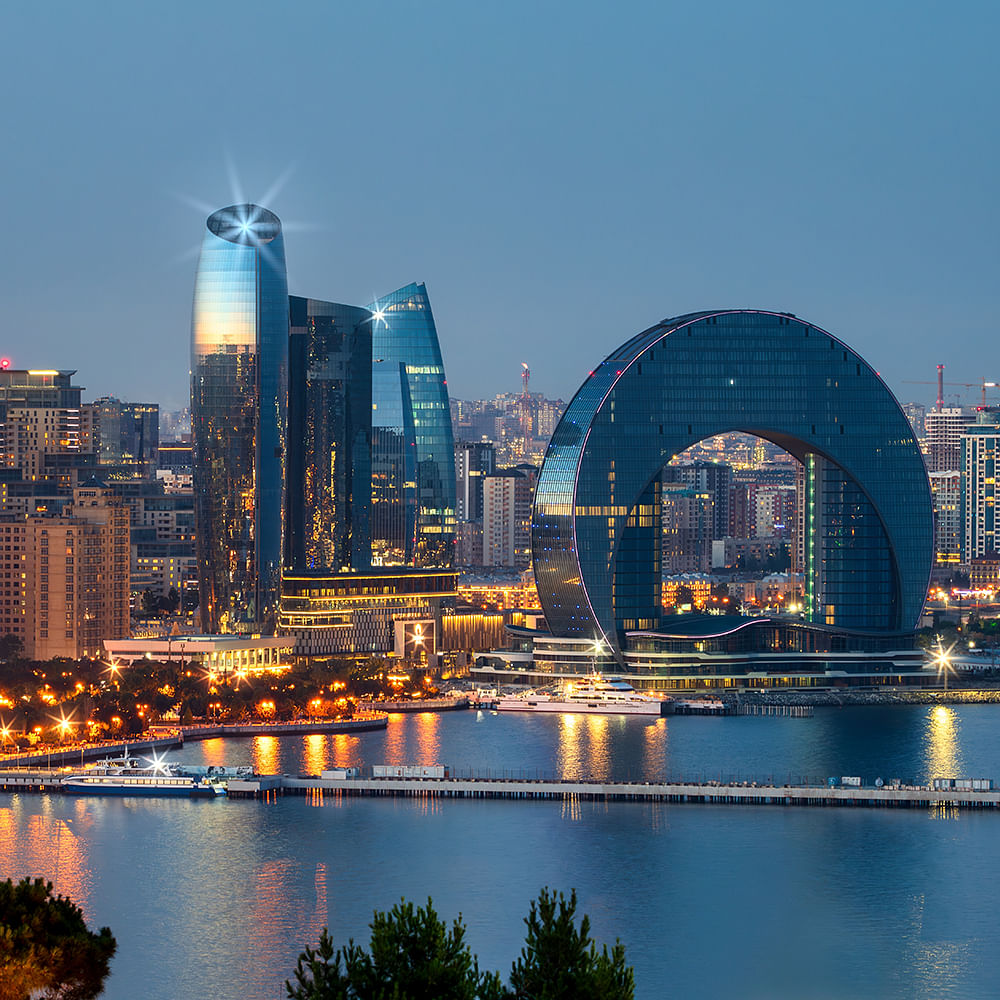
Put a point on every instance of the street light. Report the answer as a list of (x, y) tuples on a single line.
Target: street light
[(942, 661), (598, 650)]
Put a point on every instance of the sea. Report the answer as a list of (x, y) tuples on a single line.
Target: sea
[(216, 898)]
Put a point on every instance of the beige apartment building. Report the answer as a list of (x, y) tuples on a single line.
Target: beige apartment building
[(64, 579)]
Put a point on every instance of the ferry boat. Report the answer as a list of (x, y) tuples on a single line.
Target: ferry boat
[(594, 696), (126, 777)]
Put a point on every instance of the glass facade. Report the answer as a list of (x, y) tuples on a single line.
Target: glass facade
[(410, 397), (394, 467), (239, 374), (870, 546), (329, 437)]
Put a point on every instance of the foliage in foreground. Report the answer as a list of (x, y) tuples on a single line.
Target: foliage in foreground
[(46, 951), (414, 955)]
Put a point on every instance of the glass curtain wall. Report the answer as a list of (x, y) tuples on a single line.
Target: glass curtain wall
[(239, 374), (329, 437), (403, 334)]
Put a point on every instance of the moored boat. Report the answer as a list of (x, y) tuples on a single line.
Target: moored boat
[(127, 777), (593, 696)]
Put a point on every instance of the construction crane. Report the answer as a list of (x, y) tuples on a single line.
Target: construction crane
[(940, 383)]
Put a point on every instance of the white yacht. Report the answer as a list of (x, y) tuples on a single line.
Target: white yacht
[(593, 696)]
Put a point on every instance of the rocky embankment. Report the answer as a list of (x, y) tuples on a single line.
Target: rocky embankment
[(955, 696)]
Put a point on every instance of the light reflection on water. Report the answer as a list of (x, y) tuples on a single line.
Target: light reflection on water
[(315, 753), (942, 743), (214, 751), (218, 897), (50, 846), (266, 755)]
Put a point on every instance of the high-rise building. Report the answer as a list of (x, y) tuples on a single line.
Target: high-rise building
[(980, 450), (64, 577), (944, 432), (329, 493), (688, 529), (507, 519), (410, 404), (40, 426), (946, 492), (869, 528), (125, 434), (713, 478), (473, 461), (916, 413), (239, 370)]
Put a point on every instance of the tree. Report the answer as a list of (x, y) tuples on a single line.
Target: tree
[(46, 951), (11, 647), (150, 603), (413, 955), (560, 962), (685, 595), (171, 602)]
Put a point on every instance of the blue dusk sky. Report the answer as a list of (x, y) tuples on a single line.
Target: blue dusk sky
[(560, 175)]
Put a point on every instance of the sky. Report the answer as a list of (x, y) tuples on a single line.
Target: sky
[(560, 175)]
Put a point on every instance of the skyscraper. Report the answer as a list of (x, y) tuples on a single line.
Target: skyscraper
[(410, 414), (473, 461), (979, 445), (40, 427), (329, 437), (126, 433), (944, 433), (239, 372)]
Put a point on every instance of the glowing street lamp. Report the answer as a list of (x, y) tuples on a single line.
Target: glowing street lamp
[(942, 661), (597, 651)]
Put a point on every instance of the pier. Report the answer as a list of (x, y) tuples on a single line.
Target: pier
[(705, 793), (746, 793)]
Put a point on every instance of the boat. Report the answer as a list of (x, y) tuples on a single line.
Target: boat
[(593, 696), (126, 776)]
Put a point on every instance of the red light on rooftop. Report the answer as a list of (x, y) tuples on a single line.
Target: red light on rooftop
[(4, 363)]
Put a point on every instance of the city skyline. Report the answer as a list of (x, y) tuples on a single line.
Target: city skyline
[(592, 192)]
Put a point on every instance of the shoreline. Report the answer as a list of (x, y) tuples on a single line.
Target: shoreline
[(850, 699)]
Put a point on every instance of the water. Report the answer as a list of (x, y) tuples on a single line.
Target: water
[(217, 898)]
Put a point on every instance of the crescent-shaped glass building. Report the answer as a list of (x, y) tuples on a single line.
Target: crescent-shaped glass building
[(867, 520), (239, 373)]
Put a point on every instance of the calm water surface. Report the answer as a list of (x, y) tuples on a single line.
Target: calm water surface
[(216, 898)]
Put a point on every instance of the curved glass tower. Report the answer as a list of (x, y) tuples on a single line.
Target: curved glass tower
[(410, 390), (596, 519), (239, 375)]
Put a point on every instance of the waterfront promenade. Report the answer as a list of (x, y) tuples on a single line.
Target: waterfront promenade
[(168, 737)]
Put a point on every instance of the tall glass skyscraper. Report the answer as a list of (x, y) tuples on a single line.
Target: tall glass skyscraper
[(329, 437), (410, 404), (239, 376)]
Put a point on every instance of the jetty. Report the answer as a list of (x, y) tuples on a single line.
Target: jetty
[(679, 792), (941, 793)]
